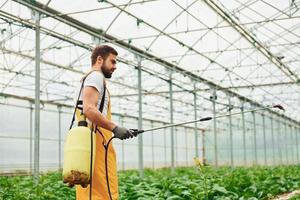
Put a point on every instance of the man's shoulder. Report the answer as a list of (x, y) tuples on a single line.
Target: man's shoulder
[(95, 75)]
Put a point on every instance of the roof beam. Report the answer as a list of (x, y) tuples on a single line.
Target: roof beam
[(68, 68), (76, 43), (98, 33), (251, 38), (199, 90)]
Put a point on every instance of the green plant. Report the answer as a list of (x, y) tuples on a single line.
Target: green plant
[(202, 171), (187, 183)]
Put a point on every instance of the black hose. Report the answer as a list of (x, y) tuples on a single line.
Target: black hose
[(106, 170)]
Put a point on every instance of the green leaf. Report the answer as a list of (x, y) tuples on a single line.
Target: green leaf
[(220, 189), (174, 197)]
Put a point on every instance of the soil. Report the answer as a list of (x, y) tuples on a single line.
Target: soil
[(287, 195)]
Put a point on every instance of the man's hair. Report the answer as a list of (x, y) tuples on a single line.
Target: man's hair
[(103, 51)]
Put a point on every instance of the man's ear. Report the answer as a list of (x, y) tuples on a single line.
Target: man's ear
[(99, 60)]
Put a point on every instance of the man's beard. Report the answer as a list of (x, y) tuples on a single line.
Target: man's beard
[(106, 72)]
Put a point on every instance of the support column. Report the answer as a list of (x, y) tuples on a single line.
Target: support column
[(165, 146), (172, 122), (273, 141), (286, 143), (186, 146), (203, 147), (292, 143), (213, 99), (59, 137), (230, 132), (244, 134), (297, 142), (176, 157), (140, 121), (30, 137), (37, 99), (264, 137), (196, 127), (152, 145), (121, 118), (279, 141), (254, 138)]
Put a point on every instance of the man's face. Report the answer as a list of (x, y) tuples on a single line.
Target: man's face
[(109, 65)]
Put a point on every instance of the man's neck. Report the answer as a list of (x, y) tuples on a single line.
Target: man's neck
[(97, 68)]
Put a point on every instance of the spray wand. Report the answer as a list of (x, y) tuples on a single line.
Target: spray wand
[(136, 131)]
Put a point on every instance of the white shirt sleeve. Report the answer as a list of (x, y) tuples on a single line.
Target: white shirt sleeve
[(95, 79)]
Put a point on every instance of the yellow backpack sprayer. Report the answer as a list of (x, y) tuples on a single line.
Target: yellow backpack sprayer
[(78, 155), (80, 147)]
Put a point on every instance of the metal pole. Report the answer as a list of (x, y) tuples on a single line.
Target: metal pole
[(291, 143), (286, 143), (264, 137), (254, 138), (31, 133), (186, 146), (203, 147), (279, 142), (230, 133), (37, 99), (213, 98), (59, 137), (297, 146), (140, 122), (293, 133), (176, 146), (152, 145), (273, 141), (123, 145), (171, 121), (195, 117), (165, 146), (244, 135)]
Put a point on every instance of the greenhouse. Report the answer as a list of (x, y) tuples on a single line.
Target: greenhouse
[(203, 99)]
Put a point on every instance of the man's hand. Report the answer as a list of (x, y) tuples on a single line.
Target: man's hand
[(122, 133), (135, 132)]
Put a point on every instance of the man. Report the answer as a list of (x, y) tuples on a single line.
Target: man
[(103, 59)]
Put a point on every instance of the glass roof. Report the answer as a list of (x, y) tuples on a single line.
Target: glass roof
[(249, 47)]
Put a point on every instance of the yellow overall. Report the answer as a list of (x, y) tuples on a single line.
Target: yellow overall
[(99, 185)]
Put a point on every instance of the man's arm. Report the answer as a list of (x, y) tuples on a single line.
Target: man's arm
[(90, 110)]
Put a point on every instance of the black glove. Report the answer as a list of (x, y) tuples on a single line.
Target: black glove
[(122, 133), (135, 132)]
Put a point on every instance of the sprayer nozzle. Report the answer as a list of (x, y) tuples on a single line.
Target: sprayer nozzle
[(205, 119), (136, 131), (279, 107)]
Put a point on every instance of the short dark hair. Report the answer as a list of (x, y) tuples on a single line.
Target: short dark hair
[(103, 51)]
